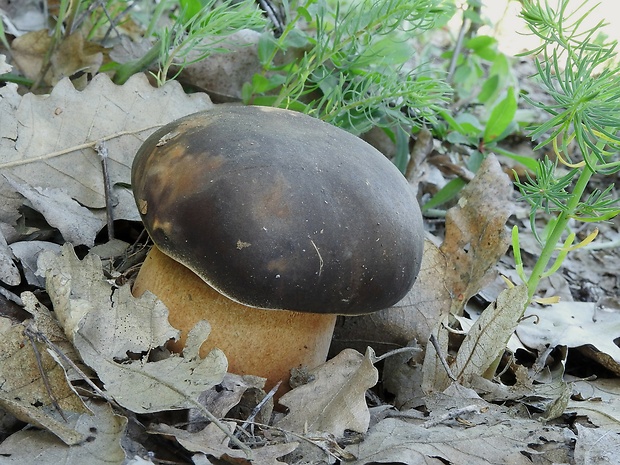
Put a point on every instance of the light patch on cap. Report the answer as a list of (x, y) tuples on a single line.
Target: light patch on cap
[(166, 138), (242, 245), (142, 206), (163, 226)]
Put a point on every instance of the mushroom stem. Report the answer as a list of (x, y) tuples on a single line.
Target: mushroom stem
[(266, 343)]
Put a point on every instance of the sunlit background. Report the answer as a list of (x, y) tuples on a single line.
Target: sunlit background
[(509, 29)]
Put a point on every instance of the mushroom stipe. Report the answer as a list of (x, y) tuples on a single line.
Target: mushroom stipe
[(269, 223)]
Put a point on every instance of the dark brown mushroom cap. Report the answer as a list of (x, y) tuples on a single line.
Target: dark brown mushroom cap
[(278, 210)]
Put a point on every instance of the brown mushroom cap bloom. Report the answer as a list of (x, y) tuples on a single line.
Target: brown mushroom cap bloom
[(273, 210)]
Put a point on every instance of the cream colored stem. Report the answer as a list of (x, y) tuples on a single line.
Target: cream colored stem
[(266, 343)]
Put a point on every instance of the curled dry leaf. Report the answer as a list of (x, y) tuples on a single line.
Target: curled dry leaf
[(107, 324), (101, 430), (510, 441), (487, 338), (476, 236), (27, 252), (212, 441), (334, 399), (78, 224), (574, 324), (72, 54), (31, 380)]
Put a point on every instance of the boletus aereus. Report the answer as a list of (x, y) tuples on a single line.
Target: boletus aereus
[(268, 223)]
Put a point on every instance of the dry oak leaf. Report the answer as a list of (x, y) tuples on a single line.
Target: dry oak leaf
[(107, 324), (596, 446), (102, 429), (72, 55), (511, 441), (598, 400), (23, 390), (476, 236), (488, 337), (48, 141), (334, 399), (575, 324), (212, 441)]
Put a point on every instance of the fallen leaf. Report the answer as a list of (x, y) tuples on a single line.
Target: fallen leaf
[(597, 446), (574, 324), (27, 252), (76, 223), (71, 55), (476, 235), (434, 375), (9, 273), (30, 49), (397, 441), (212, 441), (488, 337), (47, 142), (141, 386), (402, 377), (598, 400), (23, 390), (107, 324), (102, 432), (334, 399), (219, 401), (4, 66)]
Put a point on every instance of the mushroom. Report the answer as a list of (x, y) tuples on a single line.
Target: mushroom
[(268, 223)]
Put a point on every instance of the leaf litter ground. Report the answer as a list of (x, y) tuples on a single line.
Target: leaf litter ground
[(92, 362)]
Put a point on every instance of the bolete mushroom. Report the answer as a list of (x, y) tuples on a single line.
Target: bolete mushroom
[(268, 223)]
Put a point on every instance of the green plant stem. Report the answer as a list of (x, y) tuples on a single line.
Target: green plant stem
[(556, 234), (126, 70)]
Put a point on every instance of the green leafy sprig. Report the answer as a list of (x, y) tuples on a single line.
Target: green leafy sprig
[(350, 65), (193, 36), (580, 73)]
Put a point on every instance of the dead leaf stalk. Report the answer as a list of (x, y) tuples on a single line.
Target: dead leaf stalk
[(75, 148), (258, 408), (454, 415), (433, 340), (37, 355), (402, 350), (327, 445), (102, 151)]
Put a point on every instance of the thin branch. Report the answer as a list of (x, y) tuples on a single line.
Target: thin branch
[(75, 148)]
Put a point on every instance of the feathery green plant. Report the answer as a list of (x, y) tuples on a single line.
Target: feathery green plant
[(352, 68), (581, 74), (195, 34)]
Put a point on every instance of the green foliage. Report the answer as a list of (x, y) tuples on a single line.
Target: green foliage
[(484, 111), (581, 75), (352, 66), (201, 28), (194, 36)]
